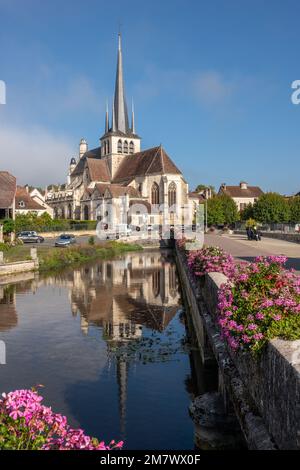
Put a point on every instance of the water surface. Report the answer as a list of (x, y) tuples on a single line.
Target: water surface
[(107, 342)]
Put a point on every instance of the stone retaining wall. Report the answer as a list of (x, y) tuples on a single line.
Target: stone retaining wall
[(288, 237), (265, 393)]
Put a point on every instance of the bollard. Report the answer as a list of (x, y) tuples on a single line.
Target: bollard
[(33, 253)]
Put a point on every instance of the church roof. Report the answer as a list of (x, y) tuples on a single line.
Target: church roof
[(118, 190), (98, 169), (148, 162), (7, 189), (94, 153)]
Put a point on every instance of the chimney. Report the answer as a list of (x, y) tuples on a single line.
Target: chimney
[(83, 147), (243, 185)]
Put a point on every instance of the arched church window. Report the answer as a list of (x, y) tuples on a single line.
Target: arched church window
[(172, 194), (104, 149), (131, 147), (119, 146), (125, 146), (107, 148), (155, 194)]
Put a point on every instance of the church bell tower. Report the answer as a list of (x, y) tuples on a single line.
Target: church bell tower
[(120, 138)]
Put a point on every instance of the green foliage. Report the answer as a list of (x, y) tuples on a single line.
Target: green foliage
[(8, 226), (247, 213), (230, 209), (44, 223), (271, 208), (15, 434), (201, 187), (92, 241), (215, 215), (294, 205), (221, 209), (58, 258)]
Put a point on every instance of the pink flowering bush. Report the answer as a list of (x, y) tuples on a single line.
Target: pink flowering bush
[(210, 259), (26, 424), (260, 301)]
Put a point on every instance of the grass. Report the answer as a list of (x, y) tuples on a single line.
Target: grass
[(52, 258)]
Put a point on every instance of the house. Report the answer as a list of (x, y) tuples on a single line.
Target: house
[(118, 182), (8, 187), (25, 204), (243, 194), (39, 196)]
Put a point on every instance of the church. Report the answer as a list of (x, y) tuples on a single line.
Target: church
[(118, 182)]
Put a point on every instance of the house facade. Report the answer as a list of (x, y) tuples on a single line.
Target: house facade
[(118, 182), (243, 194)]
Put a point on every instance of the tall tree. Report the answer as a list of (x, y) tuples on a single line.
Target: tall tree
[(271, 208), (215, 214), (294, 204), (230, 210)]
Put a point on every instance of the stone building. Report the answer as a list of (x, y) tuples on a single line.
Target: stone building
[(26, 204), (8, 188), (117, 181), (243, 194)]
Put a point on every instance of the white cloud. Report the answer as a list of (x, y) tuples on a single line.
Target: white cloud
[(34, 155), (210, 87)]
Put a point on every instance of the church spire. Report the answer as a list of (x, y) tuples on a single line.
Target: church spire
[(106, 119), (121, 115), (132, 118)]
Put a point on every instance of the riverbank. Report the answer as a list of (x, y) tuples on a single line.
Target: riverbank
[(51, 258)]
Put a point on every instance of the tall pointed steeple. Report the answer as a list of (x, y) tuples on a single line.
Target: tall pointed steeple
[(132, 118), (121, 114), (106, 119)]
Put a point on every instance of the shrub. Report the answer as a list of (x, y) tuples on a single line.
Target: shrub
[(26, 424), (261, 301), (92, 241), (210, 259)]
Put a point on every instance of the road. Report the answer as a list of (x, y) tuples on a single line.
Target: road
[(241, 248)]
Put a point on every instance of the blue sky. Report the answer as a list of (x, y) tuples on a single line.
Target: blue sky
[(211, 81)]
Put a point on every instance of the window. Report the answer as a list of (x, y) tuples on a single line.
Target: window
[(172, 194), (107, 148), (119, 146), (125, 146), (21, 204), (131, 147), (155, 194)]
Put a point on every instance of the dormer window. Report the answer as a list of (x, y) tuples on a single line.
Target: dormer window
[(119, 146), (21, 204), (125, 146)]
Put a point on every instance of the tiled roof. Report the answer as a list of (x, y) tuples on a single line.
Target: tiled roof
[(7, 189), (98, 170), (94, 153), (117, 190), (27, 203), (148, 162), (237, 191), (195, 195)]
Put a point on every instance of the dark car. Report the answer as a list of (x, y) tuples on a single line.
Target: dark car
[(65, 240), (30, 237)]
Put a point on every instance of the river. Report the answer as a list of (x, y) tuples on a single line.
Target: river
[(108, 342)]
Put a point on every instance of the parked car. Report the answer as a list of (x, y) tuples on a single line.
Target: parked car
[(30, 237), (65, 240)]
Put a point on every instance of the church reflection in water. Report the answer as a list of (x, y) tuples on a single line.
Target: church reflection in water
[(119, 298)]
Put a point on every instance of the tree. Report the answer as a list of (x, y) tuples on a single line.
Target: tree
[(230, 210), (294, 205), (202, 187), (215, 214), (271, 208), (247, 213)]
